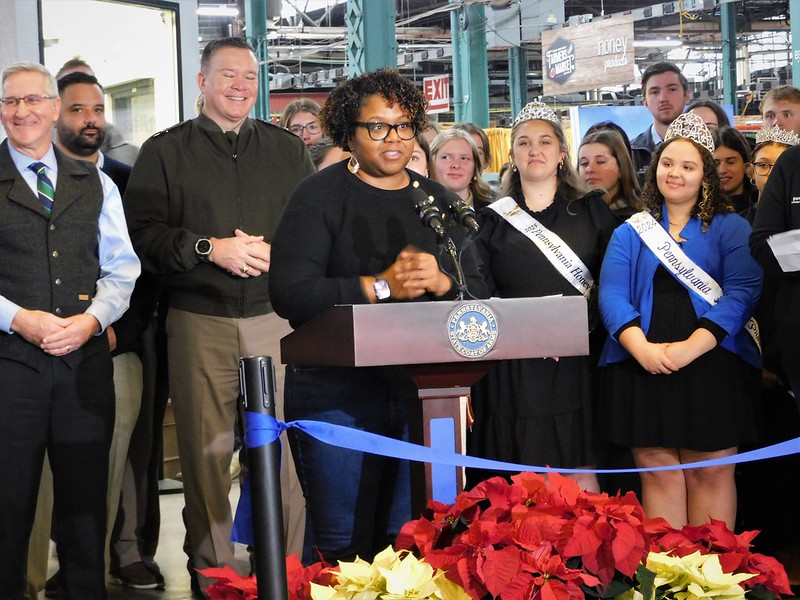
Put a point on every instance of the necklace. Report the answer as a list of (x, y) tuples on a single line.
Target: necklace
[(679, 224)]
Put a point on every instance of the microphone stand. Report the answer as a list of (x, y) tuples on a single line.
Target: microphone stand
[(429, 214), (461, 282)]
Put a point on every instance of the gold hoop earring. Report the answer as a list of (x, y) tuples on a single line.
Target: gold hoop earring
[(352, 165)]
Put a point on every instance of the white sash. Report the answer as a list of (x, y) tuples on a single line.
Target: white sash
[(561, 256), (680, 266)]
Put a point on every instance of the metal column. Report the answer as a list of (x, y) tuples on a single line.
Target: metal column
[(256, 19), (728, 27), (517, 78), (371, 39), (470, 67), (794, 9)]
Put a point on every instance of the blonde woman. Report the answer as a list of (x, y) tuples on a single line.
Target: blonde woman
[(456, 165)]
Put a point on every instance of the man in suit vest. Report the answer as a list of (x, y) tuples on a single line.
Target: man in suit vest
[(80, 132), (67, 270)]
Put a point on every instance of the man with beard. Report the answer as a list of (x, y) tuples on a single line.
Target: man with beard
[(80, 131), (665, 92), (114, 144)]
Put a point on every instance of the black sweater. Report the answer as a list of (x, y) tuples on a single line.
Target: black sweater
[(337, 228)]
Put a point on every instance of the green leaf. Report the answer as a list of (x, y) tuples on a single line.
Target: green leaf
[(647, 580)]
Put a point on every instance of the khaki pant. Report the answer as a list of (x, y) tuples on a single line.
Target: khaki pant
[(204, 354)]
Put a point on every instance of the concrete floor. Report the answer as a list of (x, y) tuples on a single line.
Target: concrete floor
[(170, 556)]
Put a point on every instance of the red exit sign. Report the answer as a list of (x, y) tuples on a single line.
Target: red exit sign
[(437, 92)]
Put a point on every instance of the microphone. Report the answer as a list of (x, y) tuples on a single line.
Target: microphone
[(465, 215), (430, 215)]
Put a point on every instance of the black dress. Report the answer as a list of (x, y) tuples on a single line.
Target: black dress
[(705, 406), (538, 411)]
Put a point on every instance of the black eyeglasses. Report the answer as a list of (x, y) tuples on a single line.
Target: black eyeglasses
[(312, 128), (380, 131), (29, 100), (761, 168)]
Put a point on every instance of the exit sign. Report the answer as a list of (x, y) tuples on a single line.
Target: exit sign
[(437, 93)]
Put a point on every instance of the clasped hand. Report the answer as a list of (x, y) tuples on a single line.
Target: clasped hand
[(242, 255), (667, 358), (415, 273), (54, 335)]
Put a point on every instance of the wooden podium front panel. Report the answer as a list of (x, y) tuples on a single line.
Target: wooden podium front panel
[(413, 333)]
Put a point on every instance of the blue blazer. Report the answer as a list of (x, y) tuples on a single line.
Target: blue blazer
[(626, 282)]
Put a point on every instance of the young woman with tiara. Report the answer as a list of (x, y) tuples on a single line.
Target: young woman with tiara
[(677, 290), (539, 411)]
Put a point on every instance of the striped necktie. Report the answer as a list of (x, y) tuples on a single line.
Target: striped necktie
[(43, 186)]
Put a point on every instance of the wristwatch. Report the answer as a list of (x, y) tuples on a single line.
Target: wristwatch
[(203, 249), (382, 290)]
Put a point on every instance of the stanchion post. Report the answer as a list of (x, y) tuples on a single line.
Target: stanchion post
[(257, 381)]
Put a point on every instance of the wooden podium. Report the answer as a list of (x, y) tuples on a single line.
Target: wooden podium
[(424, 337)]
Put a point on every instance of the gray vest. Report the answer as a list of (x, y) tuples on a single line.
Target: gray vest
[(49, 263)]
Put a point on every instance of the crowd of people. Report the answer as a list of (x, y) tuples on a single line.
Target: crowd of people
[(226, 232)]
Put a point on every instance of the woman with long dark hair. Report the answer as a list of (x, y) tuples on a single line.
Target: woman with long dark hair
[(539, 411), (677, 289)]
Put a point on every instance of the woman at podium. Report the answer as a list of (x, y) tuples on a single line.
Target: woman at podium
[(544, 236), (351, 234)]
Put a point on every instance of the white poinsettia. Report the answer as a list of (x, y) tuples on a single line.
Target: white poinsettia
[(391, 576), (694, 577)]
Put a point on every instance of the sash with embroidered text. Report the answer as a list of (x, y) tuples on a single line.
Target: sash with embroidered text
[(557, 252), (680, 266)]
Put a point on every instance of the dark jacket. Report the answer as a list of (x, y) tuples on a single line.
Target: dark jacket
[(642, 148), (778, 211), (188, 183)]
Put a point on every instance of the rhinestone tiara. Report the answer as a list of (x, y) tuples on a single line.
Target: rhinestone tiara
[(691, 127), (536, 110), (778, 136)]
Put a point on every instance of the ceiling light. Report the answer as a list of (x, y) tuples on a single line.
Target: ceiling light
[(220, 10), (657, 43)]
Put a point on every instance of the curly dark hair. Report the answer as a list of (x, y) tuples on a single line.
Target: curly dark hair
[(344, 103), (710, 199)]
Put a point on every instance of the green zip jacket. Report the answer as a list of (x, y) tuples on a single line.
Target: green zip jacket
[(188, 183)]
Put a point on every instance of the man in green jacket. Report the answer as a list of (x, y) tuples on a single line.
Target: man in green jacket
[(202, 204)]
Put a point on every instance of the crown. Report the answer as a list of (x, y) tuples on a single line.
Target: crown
[(537, 110), (778, 136), (691, 127)]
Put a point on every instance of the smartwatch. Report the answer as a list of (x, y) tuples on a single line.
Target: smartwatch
[(203, 248), (382, 290)]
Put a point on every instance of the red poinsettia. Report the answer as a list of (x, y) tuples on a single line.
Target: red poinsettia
[(534, 537), (542, 538), (229, 585), (733, 550)]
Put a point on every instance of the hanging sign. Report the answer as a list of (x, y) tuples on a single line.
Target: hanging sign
[(437, 93), (589, 56)]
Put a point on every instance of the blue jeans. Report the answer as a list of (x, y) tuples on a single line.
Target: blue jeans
[(356, 502)]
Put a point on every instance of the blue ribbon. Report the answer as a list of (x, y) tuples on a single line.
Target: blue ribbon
[(261, 430), (264, 429)]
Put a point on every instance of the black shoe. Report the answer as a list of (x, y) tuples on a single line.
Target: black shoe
[(137, 576), (153, 567), (51, 587)]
